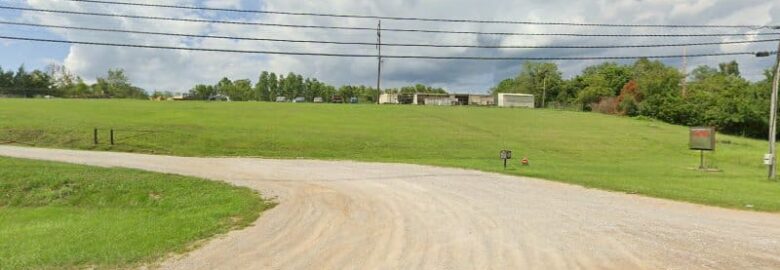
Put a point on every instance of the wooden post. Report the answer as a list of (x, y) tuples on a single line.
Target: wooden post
[(112, 136), (95, 135)]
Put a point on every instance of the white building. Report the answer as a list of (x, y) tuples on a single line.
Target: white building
[(388, 98), (515, 100)]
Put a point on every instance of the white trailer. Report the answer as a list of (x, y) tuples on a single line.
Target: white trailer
[(515, 100)]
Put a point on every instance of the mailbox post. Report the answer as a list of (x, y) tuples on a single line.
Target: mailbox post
[(505, 155), (702, 139)]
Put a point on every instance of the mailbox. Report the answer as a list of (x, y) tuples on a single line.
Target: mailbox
[(506, 154), (702, 138)]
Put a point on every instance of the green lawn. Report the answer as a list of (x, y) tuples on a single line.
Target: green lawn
[(593, 150), (55, 216)]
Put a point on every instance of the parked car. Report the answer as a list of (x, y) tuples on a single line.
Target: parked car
[(353, 100), (337, 99), (318, 100), (281, 99), (299, 100)]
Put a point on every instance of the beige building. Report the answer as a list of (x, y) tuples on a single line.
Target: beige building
[(515, 100), (438, 99), (388, 99)]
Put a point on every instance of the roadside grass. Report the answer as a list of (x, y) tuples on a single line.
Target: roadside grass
[(593, 150), (60, 216)]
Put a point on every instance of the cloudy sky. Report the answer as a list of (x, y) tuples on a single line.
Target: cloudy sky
[(179, 70)]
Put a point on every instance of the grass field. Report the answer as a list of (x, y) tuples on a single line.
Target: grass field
[(56, 216), (608, 152)]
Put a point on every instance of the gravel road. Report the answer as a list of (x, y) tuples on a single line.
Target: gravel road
[(351, 215)]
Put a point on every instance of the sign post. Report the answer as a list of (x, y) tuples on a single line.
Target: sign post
[(702, 139)]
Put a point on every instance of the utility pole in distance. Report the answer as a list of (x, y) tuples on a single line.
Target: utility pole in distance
[(378, 61), (544, 90), (684, 82)]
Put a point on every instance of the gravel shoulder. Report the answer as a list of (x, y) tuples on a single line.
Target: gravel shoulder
[(352, 215)]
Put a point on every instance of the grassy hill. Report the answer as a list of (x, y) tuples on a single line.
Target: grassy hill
[(61, 216), (614, 153)]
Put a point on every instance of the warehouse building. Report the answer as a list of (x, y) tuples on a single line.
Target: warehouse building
[(438, 99), (509, 100), (434, 99)]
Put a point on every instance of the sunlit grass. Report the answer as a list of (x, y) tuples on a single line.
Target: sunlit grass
[(608, 152), (56, 216)]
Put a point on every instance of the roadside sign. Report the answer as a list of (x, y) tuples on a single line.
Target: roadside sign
[(702, 138), (768, 158)]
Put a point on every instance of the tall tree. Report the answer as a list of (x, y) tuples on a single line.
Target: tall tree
[(262, 89), (543, 80), (730, 68)]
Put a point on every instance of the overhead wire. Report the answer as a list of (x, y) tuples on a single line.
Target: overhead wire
[(391, 44), (257, 11), (374, 56), (353, 28)]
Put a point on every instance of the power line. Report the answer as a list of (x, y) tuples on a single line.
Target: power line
[(394, 44), (368, 28), (421, 19), (476, 58)]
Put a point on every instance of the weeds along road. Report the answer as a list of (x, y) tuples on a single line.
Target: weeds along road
[(349, 215)]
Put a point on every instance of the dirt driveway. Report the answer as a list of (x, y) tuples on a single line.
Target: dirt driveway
[(350, 215)]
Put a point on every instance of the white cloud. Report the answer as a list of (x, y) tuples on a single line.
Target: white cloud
[(179, 70), (223, 3)]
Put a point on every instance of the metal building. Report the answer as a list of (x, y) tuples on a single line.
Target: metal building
[(515, 100)]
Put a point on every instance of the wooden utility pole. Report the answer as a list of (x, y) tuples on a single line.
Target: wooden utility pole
[(378, 61), (773, 119)]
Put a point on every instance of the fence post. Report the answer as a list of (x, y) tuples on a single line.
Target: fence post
[(112, 136), (95, 135)]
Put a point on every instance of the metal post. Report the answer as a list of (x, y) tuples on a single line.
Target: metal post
[(112, 136), (701, 162), (773, 119), (95, 135), (378, 60)]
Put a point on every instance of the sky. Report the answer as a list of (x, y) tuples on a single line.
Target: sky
[(178, 71)]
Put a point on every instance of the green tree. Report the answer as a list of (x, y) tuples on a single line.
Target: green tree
[(597, 87), (262, 88), (730, 68), (543, 80), (117, 85), (660, 86), (273, 87), (202, 92)]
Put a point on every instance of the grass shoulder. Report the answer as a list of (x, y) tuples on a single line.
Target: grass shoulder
[(55, 215)]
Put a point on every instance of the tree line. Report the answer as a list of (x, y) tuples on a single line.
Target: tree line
[(707, 96), (271, 86), (57, 81)]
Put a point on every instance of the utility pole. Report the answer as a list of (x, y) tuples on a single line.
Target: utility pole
[(544, 90), (773, 118), (378, 61), (685, 72)]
